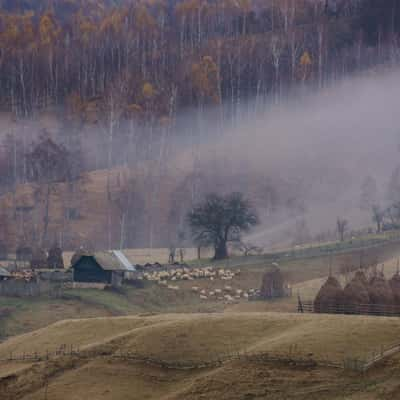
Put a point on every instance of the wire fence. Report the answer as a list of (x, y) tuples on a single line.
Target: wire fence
[(383, 310)]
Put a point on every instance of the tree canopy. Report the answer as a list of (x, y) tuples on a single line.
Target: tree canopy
[(221, 219)]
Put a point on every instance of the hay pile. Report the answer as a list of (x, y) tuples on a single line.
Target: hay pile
[(356, 291), (273, 284), (380, 291), (329, 297), (395, 286)]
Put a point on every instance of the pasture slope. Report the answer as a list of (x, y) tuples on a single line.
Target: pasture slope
[(306, 276), (201, 338)]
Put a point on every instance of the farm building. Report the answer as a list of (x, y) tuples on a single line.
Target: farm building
[(107, 268), (4, 274)]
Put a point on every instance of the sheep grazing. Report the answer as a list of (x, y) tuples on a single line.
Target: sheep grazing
[(228, 298), (203, 297), (195, 288), (186, 273)]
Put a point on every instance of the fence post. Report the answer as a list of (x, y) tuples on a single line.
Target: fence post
[(300, 305)]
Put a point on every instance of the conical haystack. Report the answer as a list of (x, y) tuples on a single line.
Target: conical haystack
[(360, 276), (395, 286), (329, 297), (356, 292), (273, 284), (379, 291)]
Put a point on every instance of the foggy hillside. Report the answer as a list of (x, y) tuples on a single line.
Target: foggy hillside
[(292, 103)]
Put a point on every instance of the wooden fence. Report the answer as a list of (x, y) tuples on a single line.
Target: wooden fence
[(289, 357), (293, 358), (383, 310)]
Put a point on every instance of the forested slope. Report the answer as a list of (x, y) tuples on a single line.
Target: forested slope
[(134, 83)]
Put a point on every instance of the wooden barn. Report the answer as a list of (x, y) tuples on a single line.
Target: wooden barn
[(108, 268)]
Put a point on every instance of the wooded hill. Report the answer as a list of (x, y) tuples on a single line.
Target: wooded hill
[(155, 57), (113, 80)]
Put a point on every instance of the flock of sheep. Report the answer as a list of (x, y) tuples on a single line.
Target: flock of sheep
[(227, 294), (168, 278)]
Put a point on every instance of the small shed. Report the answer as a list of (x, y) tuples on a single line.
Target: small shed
[(4, 274), (100, 267)]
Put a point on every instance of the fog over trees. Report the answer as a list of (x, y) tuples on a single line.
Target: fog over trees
[(154, 104)]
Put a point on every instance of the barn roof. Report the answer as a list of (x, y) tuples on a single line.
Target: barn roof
[(109, 261), (124, 261), (4, 272)]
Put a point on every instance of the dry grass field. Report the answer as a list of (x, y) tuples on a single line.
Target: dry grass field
[(305, 275), (183, 337), (177, 326)]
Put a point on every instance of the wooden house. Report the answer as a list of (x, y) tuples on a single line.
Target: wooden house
[(101, 268)]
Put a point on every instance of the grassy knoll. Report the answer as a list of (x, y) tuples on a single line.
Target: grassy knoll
[(202, 337)]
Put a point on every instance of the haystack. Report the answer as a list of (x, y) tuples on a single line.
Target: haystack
[(273, 284), (380, 291), (356, 291), (329, 297), (360, 275), (395, 286)]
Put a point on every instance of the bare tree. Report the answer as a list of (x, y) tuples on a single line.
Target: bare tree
[(378, 216), (220, 220), (342, 227), (248, 249), (48, 164)]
